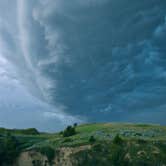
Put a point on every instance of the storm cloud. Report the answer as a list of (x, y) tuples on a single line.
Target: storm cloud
[(101, 60)]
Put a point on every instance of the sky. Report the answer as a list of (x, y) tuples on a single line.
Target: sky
[(82, 61)]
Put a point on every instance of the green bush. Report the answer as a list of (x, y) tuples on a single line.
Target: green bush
[(117, 140), (69, 131), (8, 149), (141, 141), (75, 125), (92, 140), (117, 155), (67, 140)]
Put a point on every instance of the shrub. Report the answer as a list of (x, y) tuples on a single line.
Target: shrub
[(75, 125), (8, 149), (117, 153), (117, 140), (98, 147), (61, 133), (92, 140), (67, 140), (69, 131), (141, 141)]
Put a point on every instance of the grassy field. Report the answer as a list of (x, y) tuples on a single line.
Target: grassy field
[(101, 131), (138, 141)]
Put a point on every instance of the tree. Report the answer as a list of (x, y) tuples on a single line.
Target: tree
[(69, 131), (92, 140), (75, 125), (8, 149), (117, 140)]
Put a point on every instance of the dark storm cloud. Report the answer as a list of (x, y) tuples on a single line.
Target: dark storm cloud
[(98, 59), (19, 109)]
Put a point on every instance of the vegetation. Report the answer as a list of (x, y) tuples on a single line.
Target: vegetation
[(130, 153), (75, 125), (69, 131), (111, 144), (47, 151), (92, 139), (30, 131), (8, 149), (117, 140)]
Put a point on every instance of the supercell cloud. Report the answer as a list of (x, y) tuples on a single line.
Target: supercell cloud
[(101, 60)]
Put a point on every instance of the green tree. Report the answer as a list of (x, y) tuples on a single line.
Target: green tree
[(8, 149), (117, 140), (69, 131), (92, 140), (75, 125)]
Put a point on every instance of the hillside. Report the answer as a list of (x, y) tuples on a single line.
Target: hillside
[(106, 144)]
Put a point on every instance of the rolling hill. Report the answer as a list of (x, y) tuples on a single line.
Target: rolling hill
[(98, 144)]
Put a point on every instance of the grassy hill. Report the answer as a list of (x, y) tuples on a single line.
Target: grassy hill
[(108, 144)]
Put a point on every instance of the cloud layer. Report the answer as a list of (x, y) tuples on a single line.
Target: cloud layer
[(96, 59)]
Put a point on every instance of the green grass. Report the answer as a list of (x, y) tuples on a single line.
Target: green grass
[(104, 132), (101, 131), (136, 138)]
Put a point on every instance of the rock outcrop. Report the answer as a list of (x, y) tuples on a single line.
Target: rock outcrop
[(63, 157)]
